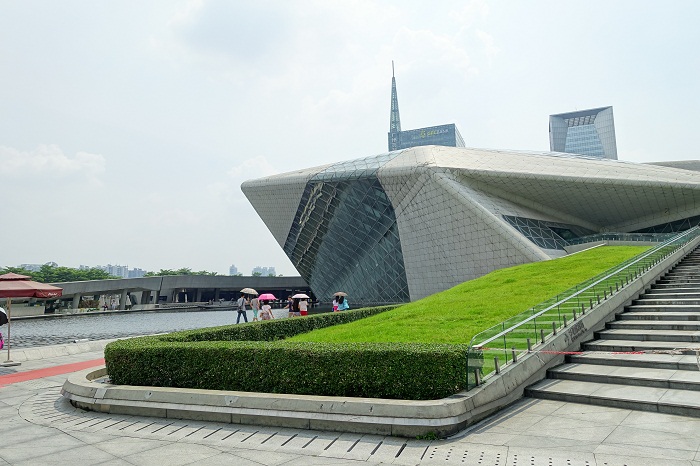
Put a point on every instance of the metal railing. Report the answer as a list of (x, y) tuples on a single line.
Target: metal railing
[(499, 345), (631, 237)]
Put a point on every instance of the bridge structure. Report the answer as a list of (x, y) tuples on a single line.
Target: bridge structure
[(148, 292)]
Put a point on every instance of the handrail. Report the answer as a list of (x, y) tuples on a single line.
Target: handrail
[(631, 237), (593, 288), (534, 316)]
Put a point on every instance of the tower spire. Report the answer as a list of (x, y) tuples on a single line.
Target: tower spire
[(394, 119)]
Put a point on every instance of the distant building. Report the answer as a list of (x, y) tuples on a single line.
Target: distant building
[(586, 132), (31, 267), (121, 271), (443, 135), (264, 271), (136, 273), (233, 270)]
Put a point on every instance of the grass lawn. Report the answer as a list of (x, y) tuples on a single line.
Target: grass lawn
[(457, 314)]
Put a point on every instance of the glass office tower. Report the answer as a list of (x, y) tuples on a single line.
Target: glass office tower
[(586, 132)]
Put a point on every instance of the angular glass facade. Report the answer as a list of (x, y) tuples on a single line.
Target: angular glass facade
[(586, 132), (547, 235), (345, 237), (672, 227)]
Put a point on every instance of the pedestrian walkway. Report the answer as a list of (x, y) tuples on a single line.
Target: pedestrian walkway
[(40, 427)]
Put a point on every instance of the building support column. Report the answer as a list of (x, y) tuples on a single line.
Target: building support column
[(145, 296), (122, 300), (198, 296), (76, 301)]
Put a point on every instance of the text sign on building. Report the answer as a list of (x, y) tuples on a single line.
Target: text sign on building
[(443, 135)]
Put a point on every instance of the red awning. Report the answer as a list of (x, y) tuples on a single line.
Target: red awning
[(13, 285)]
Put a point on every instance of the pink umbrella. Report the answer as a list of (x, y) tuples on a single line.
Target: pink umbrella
[(267, 297), (13, 285)]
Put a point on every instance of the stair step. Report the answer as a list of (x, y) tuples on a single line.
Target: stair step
[(664, 294), (655, 325), (670, 307), (692, 336), (674, 286), (650, 360), (633, 376), (647, 300), (678, 282), (679, 347), (662, 400), (674, 316)]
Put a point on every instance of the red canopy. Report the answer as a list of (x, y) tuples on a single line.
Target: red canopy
[(13, 285)]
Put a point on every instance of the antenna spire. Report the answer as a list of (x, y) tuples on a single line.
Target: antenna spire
[(394, 119)]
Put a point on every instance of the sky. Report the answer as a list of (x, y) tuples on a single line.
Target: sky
[(127, 128)]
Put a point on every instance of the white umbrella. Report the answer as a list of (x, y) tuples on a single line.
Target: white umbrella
[(249, 291), (300, 296)]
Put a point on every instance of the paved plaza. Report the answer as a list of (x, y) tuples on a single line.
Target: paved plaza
[(40, 427)]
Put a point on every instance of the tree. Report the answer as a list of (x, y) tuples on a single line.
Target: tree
[(181, 271), (257, 274), (54, 274)]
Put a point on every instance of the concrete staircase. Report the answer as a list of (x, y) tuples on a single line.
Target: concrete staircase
[(665, 324)]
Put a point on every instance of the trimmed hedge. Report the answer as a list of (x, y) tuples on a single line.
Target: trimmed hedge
[(276, 329), (251, 357), (409, 371)]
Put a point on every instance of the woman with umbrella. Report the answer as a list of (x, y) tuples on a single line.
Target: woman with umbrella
[(266, 312), (303, 304), (342, 301)]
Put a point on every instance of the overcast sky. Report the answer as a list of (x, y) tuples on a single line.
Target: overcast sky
[(126, 128)]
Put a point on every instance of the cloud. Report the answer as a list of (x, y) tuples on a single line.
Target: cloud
[(256, 167), (49, 160), (490, 48), (470, 12)]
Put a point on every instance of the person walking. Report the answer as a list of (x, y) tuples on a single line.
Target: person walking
[(255, 304), (241, 303), (303, 307), (335, 304), (266, 312), (290, 306), (343, 303)]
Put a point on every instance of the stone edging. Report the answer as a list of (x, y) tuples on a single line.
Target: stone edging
[(404, 418)]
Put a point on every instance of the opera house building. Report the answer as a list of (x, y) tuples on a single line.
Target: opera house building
[(405, 224)]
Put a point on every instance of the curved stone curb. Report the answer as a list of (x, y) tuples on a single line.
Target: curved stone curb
[(366, 415)]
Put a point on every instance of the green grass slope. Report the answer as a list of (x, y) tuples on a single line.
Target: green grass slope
[(457, 314)]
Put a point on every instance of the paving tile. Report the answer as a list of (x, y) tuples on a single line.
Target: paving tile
[(549, 456), (537, 442), (640, 453), (645, 418), (489, 437), (268, 458), (127, 445), (84, 454), (172, 454), (633, 436), (608, 417)]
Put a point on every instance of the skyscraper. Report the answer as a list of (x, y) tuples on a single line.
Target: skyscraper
[(586, 132), (443, 135)]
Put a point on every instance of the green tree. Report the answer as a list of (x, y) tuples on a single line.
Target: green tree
[(182, 271), (52, 274)]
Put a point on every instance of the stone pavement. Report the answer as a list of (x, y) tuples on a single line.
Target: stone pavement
[(37, 426)]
